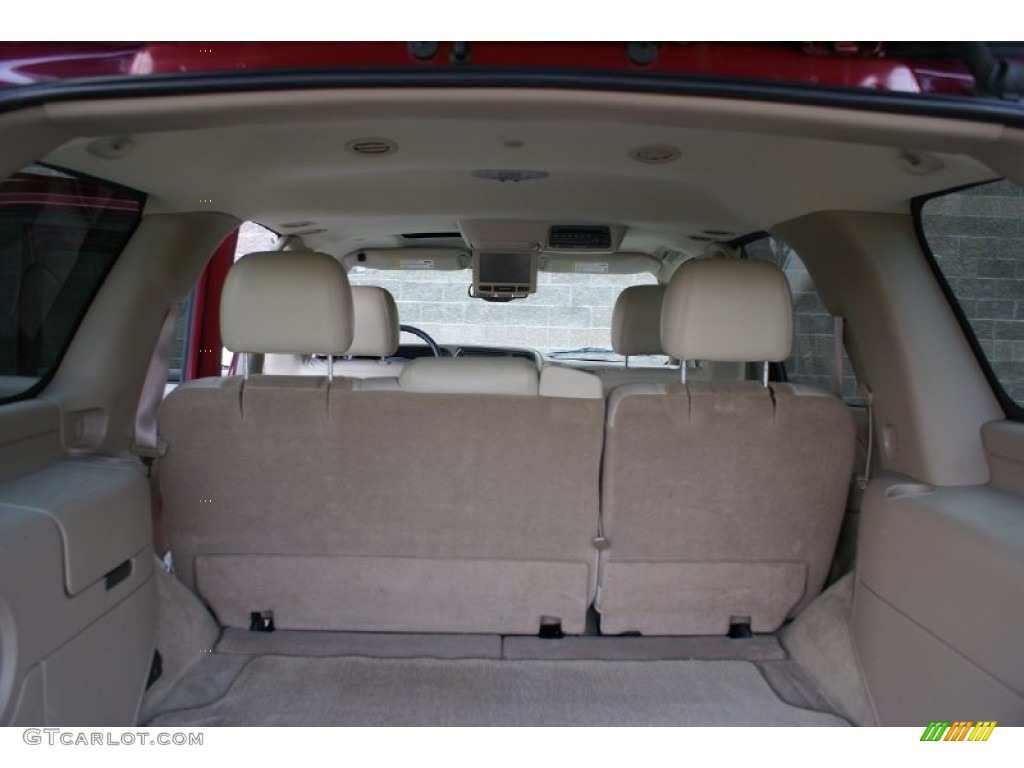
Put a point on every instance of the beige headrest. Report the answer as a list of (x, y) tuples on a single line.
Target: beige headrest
[(376, 330), (636, 320), (727, 310), (471, 376), (295, 302)]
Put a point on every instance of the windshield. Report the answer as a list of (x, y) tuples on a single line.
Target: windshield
[(569, 317)]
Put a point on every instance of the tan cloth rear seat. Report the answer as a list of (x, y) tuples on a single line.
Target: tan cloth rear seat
[(464, 499), (721, 501)]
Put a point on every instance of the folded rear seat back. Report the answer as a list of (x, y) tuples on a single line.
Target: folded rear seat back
[(721, 501), (464, 498)]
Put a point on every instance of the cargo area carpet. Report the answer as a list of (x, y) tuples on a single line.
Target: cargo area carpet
[(292, 690)]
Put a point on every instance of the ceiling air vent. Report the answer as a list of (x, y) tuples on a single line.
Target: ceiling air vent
[(590, 238), (371, 147)]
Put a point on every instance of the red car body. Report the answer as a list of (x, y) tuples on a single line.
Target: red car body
[(864, 65)]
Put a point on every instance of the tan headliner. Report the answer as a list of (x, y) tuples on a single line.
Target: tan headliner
[(276, 157)]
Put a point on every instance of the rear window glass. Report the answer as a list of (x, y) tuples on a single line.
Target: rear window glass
[(568, 318), (977, 238), (59, 236)]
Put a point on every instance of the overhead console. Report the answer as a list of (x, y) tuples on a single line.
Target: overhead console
[(542, 236), (507, 254)]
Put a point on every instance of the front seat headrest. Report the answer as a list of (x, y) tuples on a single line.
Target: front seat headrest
[(636, 320), (376, 332)]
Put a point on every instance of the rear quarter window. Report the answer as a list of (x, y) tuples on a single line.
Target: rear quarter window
[(976, 238), (59, 236)]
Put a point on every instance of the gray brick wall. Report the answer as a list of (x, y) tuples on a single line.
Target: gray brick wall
[(977, 236)]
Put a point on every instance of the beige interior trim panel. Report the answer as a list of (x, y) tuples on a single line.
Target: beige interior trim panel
[(941, 579), (31, 437), (1004, 447), (77, 596), (254, 108), (157, 269)]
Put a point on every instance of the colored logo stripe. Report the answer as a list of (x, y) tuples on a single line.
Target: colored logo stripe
[(958, 731), (982, 730), (961, 730)]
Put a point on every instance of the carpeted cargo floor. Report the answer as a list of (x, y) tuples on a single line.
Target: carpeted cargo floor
[(289, 690)]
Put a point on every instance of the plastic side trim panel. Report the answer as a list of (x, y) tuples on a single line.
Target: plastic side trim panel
[(31, 437), (1004, 449), (951, 562)]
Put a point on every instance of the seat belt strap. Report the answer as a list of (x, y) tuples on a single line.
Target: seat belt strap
[(147, 443), (838, 340), (838, 348), (869, 402)]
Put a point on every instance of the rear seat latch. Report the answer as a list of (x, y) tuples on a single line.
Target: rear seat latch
[(600, 542), (739, 627), (261, 621), (550, 628)]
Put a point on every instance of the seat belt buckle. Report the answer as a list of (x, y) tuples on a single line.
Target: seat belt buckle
[(149, 451)]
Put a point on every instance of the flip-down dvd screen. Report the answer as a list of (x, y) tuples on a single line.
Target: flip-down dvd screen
[(504, 273)]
